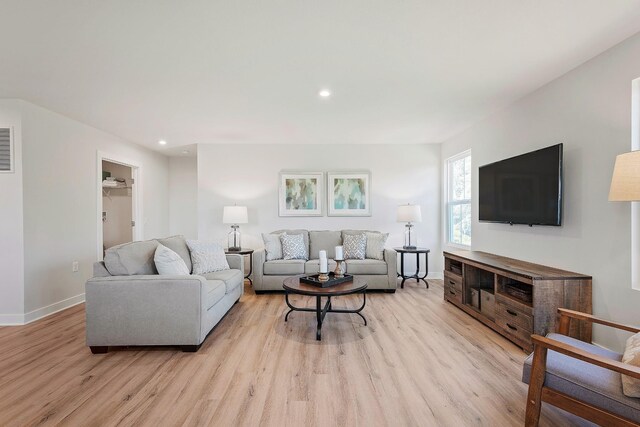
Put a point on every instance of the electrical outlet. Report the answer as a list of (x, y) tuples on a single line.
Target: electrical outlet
[(75, 266)]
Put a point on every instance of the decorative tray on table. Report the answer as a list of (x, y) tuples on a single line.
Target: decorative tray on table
[(333, 280)]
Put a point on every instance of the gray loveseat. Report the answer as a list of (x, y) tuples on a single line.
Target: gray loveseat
[(128, 303), (269, 275)]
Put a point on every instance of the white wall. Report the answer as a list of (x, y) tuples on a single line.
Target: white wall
[(248, 175), (60, 203), (118, 205), (183, 195), (11, 234), (589, 110)]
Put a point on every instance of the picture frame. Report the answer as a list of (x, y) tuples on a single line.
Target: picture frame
[(349, 193), (300, 193)]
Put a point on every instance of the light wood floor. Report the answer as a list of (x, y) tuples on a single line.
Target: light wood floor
[(420, 361)]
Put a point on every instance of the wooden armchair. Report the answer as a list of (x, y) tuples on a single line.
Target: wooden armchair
[(579, 377)]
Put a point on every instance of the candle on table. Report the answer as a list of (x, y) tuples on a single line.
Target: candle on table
[(324, 266)]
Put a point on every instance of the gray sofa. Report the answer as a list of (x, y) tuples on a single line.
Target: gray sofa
[(128, 303), (269, 275)]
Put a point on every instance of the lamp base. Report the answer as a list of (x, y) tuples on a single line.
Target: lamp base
[(231, 249), (409, 247)]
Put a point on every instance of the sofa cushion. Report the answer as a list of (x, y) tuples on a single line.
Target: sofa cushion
[(178, 244), (169, 263), (324, 240), (313, 266), (272, 246), (355, 246), (375, 245), (214, 291), (207, 256), (586, 382), (128, 259), (293, 247), (284, 267), (231, 278), (366, 266)]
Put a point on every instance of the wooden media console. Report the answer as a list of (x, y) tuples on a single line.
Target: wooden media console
[(515, 298)]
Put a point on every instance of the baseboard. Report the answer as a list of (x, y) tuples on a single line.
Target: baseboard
[(11, 319), (39, 313), (435, 275)]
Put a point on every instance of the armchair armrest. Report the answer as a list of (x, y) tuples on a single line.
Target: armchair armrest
[(566, 315), (585, 356)]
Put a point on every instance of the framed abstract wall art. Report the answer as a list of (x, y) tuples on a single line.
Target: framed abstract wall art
[(301, 194), (349, 193)]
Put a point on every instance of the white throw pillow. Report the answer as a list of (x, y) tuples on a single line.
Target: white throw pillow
[(207, 257), (169, 263), (293, 246), (272, 246), (375, 245), (631, 356), (355, 246)]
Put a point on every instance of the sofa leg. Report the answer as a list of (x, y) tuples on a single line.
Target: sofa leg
[(190, 348), (99, 349)]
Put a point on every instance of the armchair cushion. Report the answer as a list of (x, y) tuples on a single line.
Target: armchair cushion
[(586, 382)]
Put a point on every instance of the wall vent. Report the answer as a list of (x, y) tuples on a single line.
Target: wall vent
[(6, 150)]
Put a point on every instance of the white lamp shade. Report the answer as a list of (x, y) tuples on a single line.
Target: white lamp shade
[(625, 183), (409, 213), (235, 215)]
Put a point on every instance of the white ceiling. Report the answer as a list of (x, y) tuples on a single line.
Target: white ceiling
[(204, 71)]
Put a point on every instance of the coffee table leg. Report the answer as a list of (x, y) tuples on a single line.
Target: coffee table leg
[(319, 318), (291, 308)]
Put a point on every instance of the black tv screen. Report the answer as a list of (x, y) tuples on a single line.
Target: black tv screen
[(525, 189)]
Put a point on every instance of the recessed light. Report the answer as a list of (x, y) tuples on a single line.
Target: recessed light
[(324, 93), (185, 151), (162, 142)]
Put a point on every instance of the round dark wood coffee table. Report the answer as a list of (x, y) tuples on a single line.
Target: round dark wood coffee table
[(292, 285)]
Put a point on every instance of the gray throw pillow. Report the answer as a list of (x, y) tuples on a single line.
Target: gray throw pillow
[(355, 246), (207, 257), (293, 246), (375, 245), (272, 246)]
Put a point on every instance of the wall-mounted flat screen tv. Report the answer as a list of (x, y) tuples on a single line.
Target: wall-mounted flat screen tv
[(525, 189)]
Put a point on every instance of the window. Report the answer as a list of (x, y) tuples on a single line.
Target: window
[(459, 199)]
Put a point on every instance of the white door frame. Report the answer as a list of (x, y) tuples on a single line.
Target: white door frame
[(136, 196)]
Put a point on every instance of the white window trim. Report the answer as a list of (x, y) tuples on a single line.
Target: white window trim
[(447, 203), (635, 206)]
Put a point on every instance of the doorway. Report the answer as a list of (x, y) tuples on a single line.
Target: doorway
[(118, 202)]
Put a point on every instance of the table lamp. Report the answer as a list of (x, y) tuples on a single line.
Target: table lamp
[(234, 215), (409, 213), (625, 183)]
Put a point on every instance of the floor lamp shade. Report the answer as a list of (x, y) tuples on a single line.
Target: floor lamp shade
[(409, 214), (625, 183), (235, 215)]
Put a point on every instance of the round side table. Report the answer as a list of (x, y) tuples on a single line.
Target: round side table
[(418, 252)]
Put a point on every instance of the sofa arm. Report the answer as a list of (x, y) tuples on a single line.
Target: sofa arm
[(391, 257), (236, 262), (258, 268), (144, 310)]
